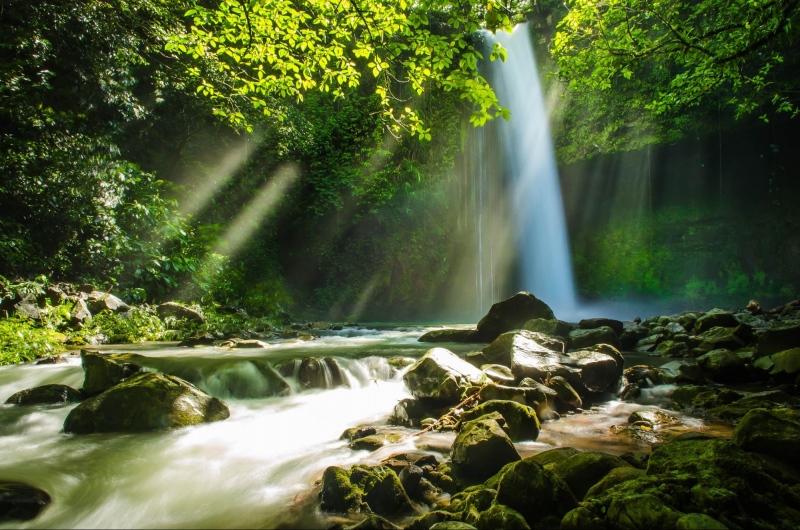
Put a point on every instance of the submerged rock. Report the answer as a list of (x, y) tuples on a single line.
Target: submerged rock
[(512, 313), (442, 375), (46, 395), (521, 420), (103, 372), (363, 489), (145, 402), (482, 447), (21, 502)]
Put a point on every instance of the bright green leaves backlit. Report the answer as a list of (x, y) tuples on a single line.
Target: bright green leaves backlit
[(257, 52), (681, 53)]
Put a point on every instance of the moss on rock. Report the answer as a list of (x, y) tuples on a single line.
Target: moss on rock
[(521, 420)]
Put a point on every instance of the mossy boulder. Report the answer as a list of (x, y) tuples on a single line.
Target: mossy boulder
[(715, 318), (468, 504), (782, 335), (613, 478), (566, 396), (722, 366), (507, 393), (145, 402), (520, 419), (671, 348), (552, 327), (46, 395), (584, 338), (442, 375), (698, 521), (512, 313), (584, 470), (786, 362), (600, 371), (774, 433), (551, 458), (363, 489), (649, 343), (641, 511), (721, 338), (595, 323), (452, 525), (500, 516), (450, 335), (482, 447), (534, 492), (504, 347), (21, 502), (426, 521), (498, 373), (103, 371), (653, 416)]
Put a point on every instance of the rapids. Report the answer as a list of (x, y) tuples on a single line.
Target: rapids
[(255, 469)]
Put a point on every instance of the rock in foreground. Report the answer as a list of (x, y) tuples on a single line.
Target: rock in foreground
[(21, 502), (46, 395), (103, 372), (145, 402), (363, 489), (482, 447)]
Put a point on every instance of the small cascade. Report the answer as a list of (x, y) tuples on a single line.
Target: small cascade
[(542, 243)]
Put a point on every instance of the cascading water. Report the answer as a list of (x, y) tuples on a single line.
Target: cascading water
[(535, 192)]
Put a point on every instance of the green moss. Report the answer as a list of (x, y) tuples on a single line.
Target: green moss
[(521, 420)]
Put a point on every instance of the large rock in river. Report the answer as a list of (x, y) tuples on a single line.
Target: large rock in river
[(722, 366), (442, 375), (512, 313), (450, 335), (782, 335), (21, 502), (774, 433), (534, 491), (102, 372), (146, 402), (584, 338), (501, 349), (46, 395), (363, 489), (482, 447), (521, 420)]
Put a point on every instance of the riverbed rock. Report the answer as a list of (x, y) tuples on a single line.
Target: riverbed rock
[(649, 343), (653, 416), (450, 335), (497, 516), (172, 309), (551, 458), (786, 362), (641, 511), (584, 338), (373, 442), (722, 366), (616, 476), (595, 323), (145, 402), (781, 335), (520, 342), (442, 375), (735, 409), (566, 396), (98, 301), (552, 327), (671, 348), (20, 501), (698, 521), (600, 371), (719, 338), (103, 372), (774, 433), (512, 313), (482, 447), (321, 373), (715, 318), (55, 359), (410, 412), (251, 379), (586, 371), (363, 489), (534, 492), (498, 373), (46, 395), (521, 420), (79, 314), (584, 470), (631, 334)]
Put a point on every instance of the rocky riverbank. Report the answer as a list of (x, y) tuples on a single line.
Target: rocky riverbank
[(741, 367)]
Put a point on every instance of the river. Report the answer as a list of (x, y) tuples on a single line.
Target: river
[(258, 468)]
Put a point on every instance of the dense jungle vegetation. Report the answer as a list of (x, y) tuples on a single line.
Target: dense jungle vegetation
[(272, 157)]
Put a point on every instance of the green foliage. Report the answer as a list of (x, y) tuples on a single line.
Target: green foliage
[(259, 53), (139, 324), (643, 70), (22, 341)]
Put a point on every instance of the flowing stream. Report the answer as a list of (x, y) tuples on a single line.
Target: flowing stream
[(255, 469)]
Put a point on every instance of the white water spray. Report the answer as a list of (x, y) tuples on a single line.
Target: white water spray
[(543, 244)]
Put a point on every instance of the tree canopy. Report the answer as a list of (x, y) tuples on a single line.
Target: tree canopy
[(258, 53)]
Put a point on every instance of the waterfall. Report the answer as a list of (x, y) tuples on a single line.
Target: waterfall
[(530, 166)]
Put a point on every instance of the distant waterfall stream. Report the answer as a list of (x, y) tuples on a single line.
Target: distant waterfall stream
[(534, 192)]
